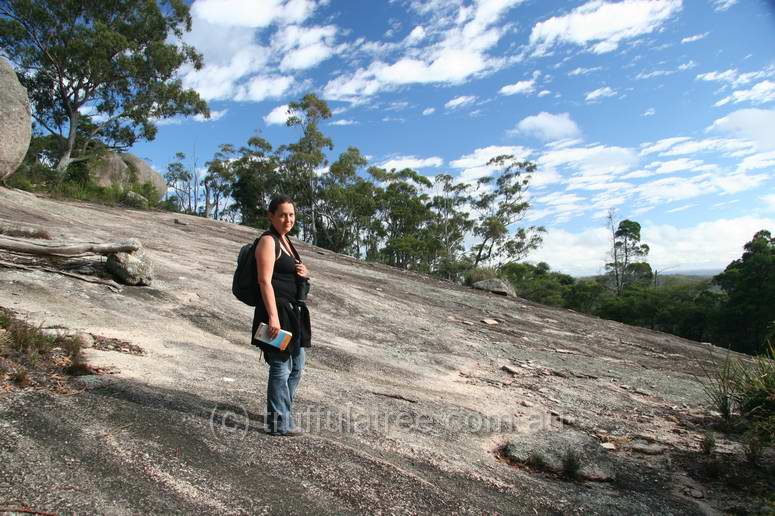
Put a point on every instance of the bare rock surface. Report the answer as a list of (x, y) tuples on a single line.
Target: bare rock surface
[(405, 398), (15, 120)]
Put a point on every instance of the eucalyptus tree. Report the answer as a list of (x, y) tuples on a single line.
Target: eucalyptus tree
[(499, 207), (303, 158), (100, 70), (627, 254), (748, 314), (218, 182), (179, 179), (347, 203), (256, 174), (404, 214), (449, 224)]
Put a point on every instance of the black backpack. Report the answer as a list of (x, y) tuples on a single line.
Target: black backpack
[(244, 286)]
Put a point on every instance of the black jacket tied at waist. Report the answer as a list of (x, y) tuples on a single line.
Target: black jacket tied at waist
[(294, 316)]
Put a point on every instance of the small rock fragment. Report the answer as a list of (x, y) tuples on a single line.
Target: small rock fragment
[(608, 446), (648, 449), (491, 322), (85, 339)]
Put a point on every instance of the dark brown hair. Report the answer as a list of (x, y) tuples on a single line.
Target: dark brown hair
[(278, 200)]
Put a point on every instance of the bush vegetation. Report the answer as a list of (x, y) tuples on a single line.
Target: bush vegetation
[(76, 183), (743, 392), (26, 349)]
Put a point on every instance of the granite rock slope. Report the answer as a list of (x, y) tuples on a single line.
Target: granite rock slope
[(412, 403)]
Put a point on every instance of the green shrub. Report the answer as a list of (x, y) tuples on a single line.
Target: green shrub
[(708, 443), (479, 274), (755, 386), (571, 463), (20, 376), (29, 340), (148, 191), (536, 460), (753, 446), (719, 385)]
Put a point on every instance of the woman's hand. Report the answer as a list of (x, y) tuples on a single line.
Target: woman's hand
[(274, 326), (301, 270)]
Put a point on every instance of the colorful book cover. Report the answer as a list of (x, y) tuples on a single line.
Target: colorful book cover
[(280, 342)]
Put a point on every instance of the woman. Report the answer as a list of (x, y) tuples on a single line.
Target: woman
[(280, 272)]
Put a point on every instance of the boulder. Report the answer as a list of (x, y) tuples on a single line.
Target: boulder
[(15, 121), (131, 268), (135, 200), (110, 170), (120, 169), (144, 172), (496, 286)]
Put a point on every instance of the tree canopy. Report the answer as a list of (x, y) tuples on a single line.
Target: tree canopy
[(749, 283), (99, 73)]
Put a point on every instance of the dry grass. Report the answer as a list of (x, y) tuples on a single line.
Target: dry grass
[(30, 357)]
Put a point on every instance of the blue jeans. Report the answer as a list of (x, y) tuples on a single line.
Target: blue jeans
[(284, 376)]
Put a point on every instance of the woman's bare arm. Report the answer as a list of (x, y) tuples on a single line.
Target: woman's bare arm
[(265, 257)]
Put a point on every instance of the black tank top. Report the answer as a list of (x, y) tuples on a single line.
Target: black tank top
[(284, 272)]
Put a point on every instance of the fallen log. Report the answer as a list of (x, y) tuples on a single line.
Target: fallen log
[(112, 285), (66, 250)]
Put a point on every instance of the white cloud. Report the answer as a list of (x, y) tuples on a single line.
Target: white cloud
[(278, 116), (460, 101), (676, 165), (734, 78), (683, 145), (592, 161), (236, 66), (757, 161), (249, 13), (523, 87), (214, 115), (723, 5), (601, 26), (599, 93), (754, 124), (696, 37), (428, 111), (548, 126), (343, 121), (459, 55), (708, 245), (769, 201), (304, 47), (671, 189), (413, 162), (262, 88), (687, 65), (582, 253), (474, 165), (414, 37), (584, 71), (758, 94), (544, 93), (649, 112), (655, 73)]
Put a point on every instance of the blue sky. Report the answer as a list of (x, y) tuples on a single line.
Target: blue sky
[(661, 109)]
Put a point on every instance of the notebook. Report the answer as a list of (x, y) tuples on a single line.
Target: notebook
[(280, 342)]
